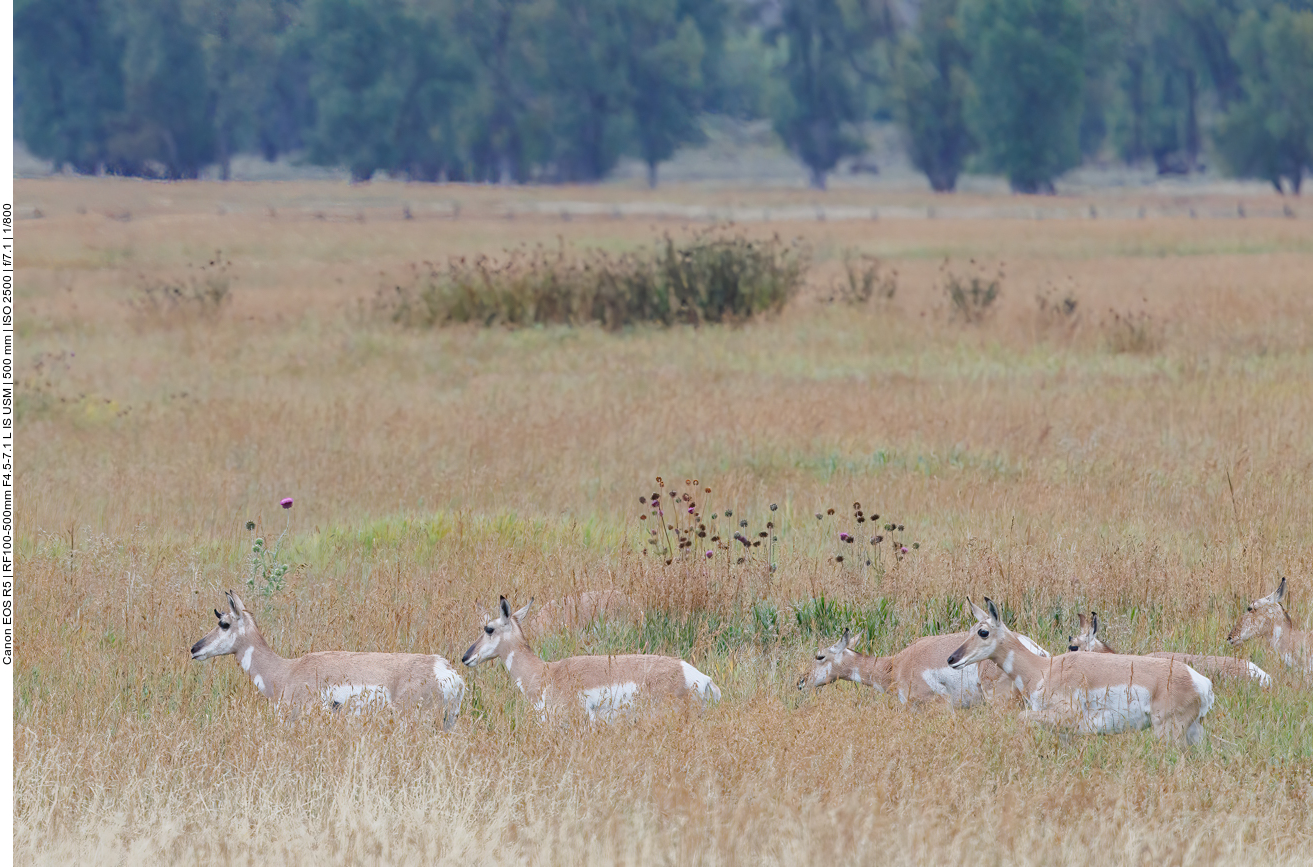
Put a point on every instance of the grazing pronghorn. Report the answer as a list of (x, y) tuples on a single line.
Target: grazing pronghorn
[(1225, 667), (1092, 693), (580, 609), (333, 679), (1267, 617), (604, 686), (918, 672)]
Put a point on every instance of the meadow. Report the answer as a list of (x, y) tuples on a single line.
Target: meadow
[(1128, 428)]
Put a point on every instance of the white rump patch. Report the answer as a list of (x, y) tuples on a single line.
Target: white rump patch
[(696, 681), (360, 697), (1259, 675), (1204, 687)]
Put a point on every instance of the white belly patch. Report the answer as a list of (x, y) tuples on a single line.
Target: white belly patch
[(960, 687), (605, 702), (355, 698)]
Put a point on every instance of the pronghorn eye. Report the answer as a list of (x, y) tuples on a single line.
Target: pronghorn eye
[(223, 624), (820, 657), (488, 629), (983, 633)]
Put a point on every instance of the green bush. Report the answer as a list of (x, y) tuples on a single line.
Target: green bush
[(711, 277)]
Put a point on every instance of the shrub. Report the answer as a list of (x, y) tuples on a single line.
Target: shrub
[(864, 279), (712, 277), (971, 296), (201, 294)]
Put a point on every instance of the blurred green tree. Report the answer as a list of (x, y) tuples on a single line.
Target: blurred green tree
[(1027, 75), (68, 79), (166, 128), (931, 82), (818, 112), (1268, 131), (665, 78)]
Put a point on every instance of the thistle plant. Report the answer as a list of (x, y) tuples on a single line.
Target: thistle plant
[(267, 573)]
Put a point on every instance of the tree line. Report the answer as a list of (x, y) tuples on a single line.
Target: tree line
[(560, 90)]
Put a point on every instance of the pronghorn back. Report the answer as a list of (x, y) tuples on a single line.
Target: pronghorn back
[(1088, 640)]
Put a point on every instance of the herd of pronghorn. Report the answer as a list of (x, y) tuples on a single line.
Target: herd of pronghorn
[(1090, 689)]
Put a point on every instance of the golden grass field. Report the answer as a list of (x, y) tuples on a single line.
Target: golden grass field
[(1150, 457)]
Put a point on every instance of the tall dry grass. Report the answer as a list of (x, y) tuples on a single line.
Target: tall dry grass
[(1056, 463)]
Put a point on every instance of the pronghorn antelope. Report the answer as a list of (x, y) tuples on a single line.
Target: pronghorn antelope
[(1267, 617), (1092, 693), (918, 672), (333, 679), (1226, 667), (580, 609), (604, 686)]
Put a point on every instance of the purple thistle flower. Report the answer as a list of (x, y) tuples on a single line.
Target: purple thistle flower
[(286, 502), (843, 537), (902, 550), (709, 554)]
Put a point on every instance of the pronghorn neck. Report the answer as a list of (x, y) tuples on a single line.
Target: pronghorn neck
[(1025, 669), (876, 671), (525, 668), (1289, 643), (266, 669)]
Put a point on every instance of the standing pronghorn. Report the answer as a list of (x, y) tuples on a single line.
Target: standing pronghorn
[(333, 679), (604, 686), (1267, 617), (1226, 667), (918, 672), (1092, 693)]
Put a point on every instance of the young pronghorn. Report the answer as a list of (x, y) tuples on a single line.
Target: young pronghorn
[(1092, 693), (1225, 667), (918, 672), (1267, 617), (333, 679), (604, 686)]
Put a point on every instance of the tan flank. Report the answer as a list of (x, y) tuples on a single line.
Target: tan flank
[(333, 679), (1092, 693), (604, 686), (918, 673), (1267, 618), (1224, 667), (580, 609)]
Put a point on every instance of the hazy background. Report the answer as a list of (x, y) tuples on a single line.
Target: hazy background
[(765, 91)]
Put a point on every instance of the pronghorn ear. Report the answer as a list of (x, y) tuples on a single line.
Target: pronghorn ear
[(994, 619), (1281, 592), (519, 615), (505, 608), (976, 611), (235, 603), (1080, 621)]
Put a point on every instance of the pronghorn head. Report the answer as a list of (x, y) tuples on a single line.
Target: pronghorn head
[(1262, 617), (830, 662), (497, 632), (985, 636), (1088, 636), (222, 639)]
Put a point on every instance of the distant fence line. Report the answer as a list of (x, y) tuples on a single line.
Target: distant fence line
[(566, 210)]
